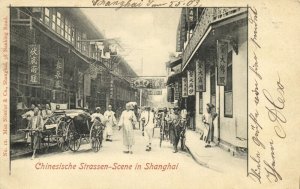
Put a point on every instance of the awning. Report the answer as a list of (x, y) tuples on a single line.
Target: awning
[(174, 77), (173, 63)]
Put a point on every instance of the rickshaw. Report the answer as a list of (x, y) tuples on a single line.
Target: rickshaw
[(163, 125), (79, 128), (67, 128)]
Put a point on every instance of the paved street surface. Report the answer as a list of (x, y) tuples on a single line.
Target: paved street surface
[(112, 165)]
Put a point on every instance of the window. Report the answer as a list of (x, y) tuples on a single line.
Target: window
[(47, 17), (200, 102), (78, 40), (53, 19), (60, 24), (42, 13), (84, 44), (228, 97), (67, 30), (212, 85), (72, 33)]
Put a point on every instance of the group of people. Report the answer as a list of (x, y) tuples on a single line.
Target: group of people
[(36, 118), (173, 122)]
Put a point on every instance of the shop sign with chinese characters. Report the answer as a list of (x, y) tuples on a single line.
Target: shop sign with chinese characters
[(222, 50), (191, 82), (34, 64), (154, 91), (200, 76), (176, 91), (184, 87), (59, 71)]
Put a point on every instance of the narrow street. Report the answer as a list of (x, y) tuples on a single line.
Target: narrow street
[(77, 70), (112, 155)]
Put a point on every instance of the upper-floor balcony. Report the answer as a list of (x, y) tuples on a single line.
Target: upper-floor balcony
[(208, 16)]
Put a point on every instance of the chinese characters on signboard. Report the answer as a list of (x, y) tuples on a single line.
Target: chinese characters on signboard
[(34, 64), (176, 90), (184, 87), (222, 50), (149, 83), (59, 73), (169, 93), (200, 76), (154, 92), (111, 88), (191, 82)]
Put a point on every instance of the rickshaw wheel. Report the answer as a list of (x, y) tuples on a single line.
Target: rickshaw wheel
[(61, 133), (95, 139), (96, 144), (74, 139)]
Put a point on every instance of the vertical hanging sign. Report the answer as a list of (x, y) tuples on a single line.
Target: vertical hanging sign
[(176, 90), (59, 73), (200, 76), (191, 82), (111, 87), (184, 87), (222, 50), (34, 64)]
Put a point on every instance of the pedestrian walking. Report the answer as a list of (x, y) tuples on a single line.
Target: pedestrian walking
[(165, 124), (184, 116), (36, 124), (111, 121), (127, 122), (177, 130), (208, 120), (147, 118)]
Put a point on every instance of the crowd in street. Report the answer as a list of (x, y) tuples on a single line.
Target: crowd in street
[(171, 121)]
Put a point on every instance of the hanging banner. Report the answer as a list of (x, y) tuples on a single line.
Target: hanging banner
[(111, 88), (176, 90), (191, 82), (148, 83), (222, 50), (154, 91), (169, 93), (59, 73), (184, 87), (34, 64), (200, 76)]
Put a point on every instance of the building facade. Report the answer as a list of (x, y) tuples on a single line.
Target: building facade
[(213, 43), (59, 57)]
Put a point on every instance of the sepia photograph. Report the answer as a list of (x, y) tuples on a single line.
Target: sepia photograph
[(165, 87), (146, 94)]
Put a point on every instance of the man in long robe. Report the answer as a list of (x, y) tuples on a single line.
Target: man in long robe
[(36, 123), (147, 118), (127, 122), (177, 129), (208, 120), (111, 121)]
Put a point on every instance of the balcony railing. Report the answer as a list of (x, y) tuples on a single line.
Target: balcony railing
[(208, 16)]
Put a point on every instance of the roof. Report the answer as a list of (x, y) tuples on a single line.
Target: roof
[(174, 77), (173, 63), (82, 19)]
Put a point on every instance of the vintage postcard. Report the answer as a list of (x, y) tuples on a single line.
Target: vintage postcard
[(149, 94)]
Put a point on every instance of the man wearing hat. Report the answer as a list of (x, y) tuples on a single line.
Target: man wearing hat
[(208, 120), (147, 118), (177, 129), (98, 114), (111, 121)]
